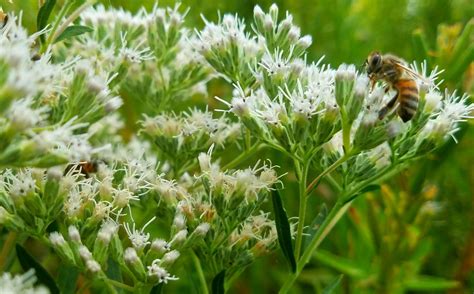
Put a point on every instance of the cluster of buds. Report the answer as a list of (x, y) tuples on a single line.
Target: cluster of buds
[(144, 42), (189, 134), (24, 283), (46, 106), (227, 208)]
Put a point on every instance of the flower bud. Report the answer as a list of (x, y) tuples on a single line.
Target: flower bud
[(160, 246), (62, 247), (169, 258), (134, 263), (370, 133), (74, 234), (179, 238)]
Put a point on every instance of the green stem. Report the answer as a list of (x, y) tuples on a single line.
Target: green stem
[(302, 172), (332, 167), (60, 16), (243, 156), (120, 285), (59, 29), (6, 249), (335, 214), (200, 273)]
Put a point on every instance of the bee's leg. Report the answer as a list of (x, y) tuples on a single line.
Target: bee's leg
[(383, 112), (372, 84)]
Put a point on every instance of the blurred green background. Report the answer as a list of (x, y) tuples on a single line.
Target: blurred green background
[(422, 221)]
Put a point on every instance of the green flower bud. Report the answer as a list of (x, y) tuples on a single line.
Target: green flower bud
[(134, 263)]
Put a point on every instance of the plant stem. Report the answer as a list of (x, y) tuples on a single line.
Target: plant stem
[(243, 156), (200, 273), (302, 172), (333, 166), (120, 285), (335, 214), (59, 29), (75, 14), (60, 16), (6, 249)]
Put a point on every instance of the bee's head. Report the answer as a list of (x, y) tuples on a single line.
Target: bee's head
[(373, 64)]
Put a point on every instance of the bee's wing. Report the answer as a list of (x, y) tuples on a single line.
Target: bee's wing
[(411, 72)]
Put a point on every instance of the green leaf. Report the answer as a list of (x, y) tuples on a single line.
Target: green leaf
[(429, 283), (315, 224), (73, 31), (341, 264), (283, 229), (28, 262), (44, 13), (332, 286), (67, 279), (218, 283)]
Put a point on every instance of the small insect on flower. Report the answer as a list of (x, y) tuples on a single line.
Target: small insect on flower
[(399, 77), (3, 19), (84, 168)]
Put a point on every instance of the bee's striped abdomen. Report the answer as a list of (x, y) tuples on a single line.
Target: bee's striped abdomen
[(407, 98)]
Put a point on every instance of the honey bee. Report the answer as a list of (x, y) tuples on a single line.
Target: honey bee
[(3, 18), (393, 71), (83, 167)]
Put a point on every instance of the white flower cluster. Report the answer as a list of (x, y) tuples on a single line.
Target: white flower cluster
[(21, 284)]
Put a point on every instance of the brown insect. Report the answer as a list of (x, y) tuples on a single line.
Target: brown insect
[(83, 167)]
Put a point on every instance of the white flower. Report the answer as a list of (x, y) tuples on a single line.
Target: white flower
[(107, 230), (426, 82), (154, 270), (135, 54), (22, 116), (139, 238), (21, 284), (17, 185), (433, 101)]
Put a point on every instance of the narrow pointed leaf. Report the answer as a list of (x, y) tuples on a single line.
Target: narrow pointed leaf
[(429, 283), (44, 13), (73, 31), (283, 229), (28, 262), (315, 224), (332, 286), (218, 283)]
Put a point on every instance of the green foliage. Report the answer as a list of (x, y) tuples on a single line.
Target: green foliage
[(387, 243)]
